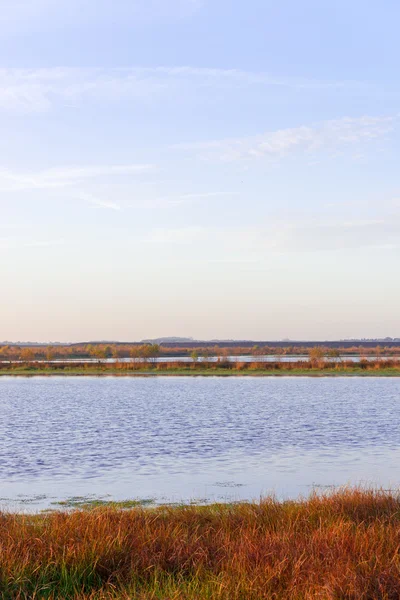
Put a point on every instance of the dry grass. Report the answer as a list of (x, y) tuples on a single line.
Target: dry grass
[(340, 546)]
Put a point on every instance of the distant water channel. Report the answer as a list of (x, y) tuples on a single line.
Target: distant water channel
[(193, 439), (214, 359)]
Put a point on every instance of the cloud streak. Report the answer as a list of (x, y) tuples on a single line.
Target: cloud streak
[(38, 90), (98, 202), (12, 181), (328, 135), (189, 198)]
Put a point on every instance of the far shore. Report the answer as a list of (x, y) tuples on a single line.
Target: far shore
[(355, 371)]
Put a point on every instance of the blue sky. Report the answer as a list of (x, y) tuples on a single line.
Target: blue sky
[(188, 167)]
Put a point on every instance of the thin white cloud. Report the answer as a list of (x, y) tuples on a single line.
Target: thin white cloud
[(328, 135), (13, 181), (98, 202), (200, 195), (188, 198), (38, 90)]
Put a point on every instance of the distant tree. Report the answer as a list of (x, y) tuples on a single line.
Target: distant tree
[(205, 355), (149, 352), (194, 356), (117, 352), (49, 353), (100, 353), (316, 356), (154, 352), (143, 352), (27, 354), (4, 352), (134, 353)]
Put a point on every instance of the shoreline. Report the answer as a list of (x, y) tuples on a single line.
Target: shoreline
[(348, 372)]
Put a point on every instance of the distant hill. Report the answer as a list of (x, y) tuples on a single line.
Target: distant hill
[(189, 342), (168, 340)]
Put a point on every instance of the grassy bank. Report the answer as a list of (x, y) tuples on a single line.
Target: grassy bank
[(383, 368), (342, 546)]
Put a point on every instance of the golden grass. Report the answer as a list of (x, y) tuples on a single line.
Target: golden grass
[(340, 546)]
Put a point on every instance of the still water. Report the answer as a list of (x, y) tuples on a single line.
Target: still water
[(193, 439)]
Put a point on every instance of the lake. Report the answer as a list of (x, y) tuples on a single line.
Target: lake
[(193, 439)]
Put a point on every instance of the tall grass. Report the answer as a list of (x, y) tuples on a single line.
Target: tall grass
[(340, 546)]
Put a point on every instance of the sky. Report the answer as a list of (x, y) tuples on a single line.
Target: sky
[(205, 168)]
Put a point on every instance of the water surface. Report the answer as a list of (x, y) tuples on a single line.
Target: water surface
[(202, 439), (290, 358)]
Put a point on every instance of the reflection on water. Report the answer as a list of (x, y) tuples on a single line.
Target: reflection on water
[(180, 439)]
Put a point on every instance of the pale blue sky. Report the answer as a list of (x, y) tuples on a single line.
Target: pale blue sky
[(197, 167)]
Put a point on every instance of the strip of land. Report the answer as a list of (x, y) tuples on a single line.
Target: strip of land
[(379, 368), (343, 545)]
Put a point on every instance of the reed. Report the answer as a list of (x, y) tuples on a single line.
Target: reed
[(343, 545)]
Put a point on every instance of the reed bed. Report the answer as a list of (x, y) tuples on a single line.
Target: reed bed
[(385, 366), (343, 545)]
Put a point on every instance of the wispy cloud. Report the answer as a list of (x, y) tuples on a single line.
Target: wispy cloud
[(189, 198), (13, 181), (328, 135), (98, 202), (259, 242), (37, 90)]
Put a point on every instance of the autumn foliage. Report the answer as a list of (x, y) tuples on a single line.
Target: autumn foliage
[(151, 351)]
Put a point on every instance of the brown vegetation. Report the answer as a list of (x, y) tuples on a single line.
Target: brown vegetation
[(151, 351), (339, 546), (314, 366)]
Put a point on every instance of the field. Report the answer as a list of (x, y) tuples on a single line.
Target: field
[(343, 545)]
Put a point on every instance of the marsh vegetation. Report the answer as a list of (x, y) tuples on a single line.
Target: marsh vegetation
[(340, 545), (312, 366)]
